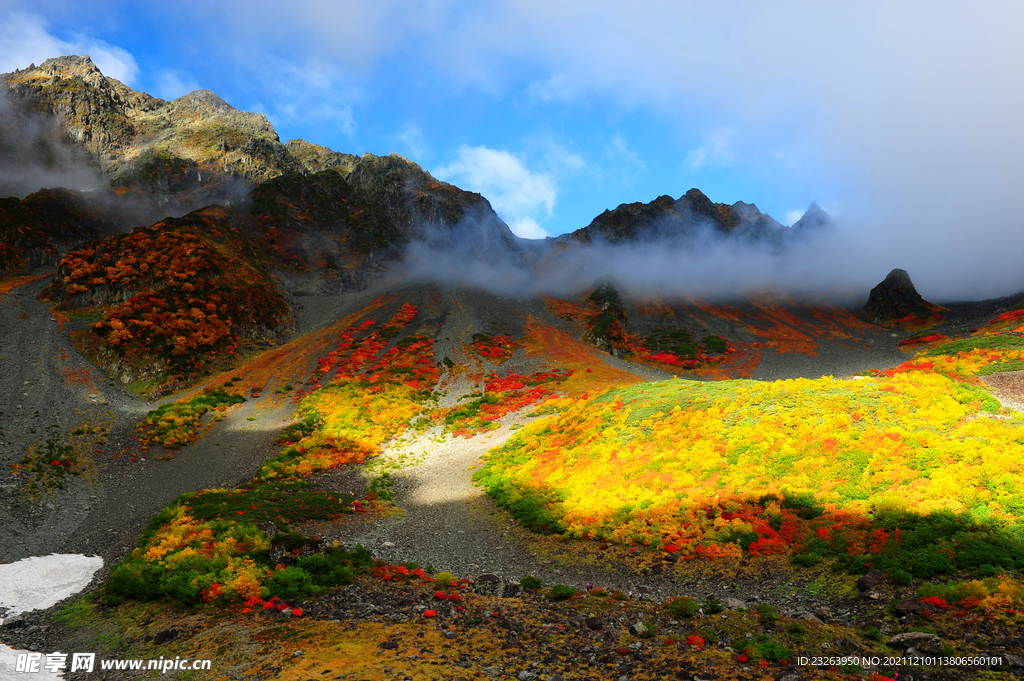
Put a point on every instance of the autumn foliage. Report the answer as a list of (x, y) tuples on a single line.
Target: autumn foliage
[(183, 293), (736, 467)]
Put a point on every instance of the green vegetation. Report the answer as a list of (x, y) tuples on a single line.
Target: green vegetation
[(561, 592), (676, 341), (174, 424), (208, 546), (682, 607), (381, 487), (531, 583), (993, 342)]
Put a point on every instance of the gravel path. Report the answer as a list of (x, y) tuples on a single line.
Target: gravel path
[(450, 524)]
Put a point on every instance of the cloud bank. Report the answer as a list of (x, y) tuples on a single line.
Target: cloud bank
[(520, 197)]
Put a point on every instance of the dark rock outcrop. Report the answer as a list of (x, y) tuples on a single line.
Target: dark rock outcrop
[(870, 580), (894, 298)]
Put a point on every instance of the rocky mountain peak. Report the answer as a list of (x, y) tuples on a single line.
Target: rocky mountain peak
[(71, 66), (813, 220), (204, 99), (685, 218)]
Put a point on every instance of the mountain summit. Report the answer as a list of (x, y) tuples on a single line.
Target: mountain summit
[(680, 219)]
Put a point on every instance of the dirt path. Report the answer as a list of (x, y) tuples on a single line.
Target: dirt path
[(450, 524)]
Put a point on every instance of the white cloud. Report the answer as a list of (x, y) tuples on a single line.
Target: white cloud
[(520, 197), (412, 141), (792, 216), (527, 228), (557, 88), (25, 40), (312, 94), (621, 151), (716, 151), (557, 160), (173, 84)]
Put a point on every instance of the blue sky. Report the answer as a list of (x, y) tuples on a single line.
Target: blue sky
[(891, 115)]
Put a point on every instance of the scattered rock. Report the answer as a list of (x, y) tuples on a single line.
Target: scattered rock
[(527, 676), (733, 603), (847, 646), (1013, 660), (594, 623), (269, 529)]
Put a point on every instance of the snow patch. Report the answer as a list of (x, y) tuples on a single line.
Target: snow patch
[(38, 583)]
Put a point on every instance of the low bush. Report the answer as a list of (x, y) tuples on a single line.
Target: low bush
[(561, 592), (682, 606), (531, 583)]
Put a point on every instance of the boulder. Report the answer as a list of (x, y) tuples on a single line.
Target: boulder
[(919, 640), (895, 297), (870, 580), (639, 630)]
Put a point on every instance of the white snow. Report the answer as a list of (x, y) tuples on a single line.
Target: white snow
[(36, 583)]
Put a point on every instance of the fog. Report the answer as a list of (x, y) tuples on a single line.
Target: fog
[(839, 263), (34, 155)]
